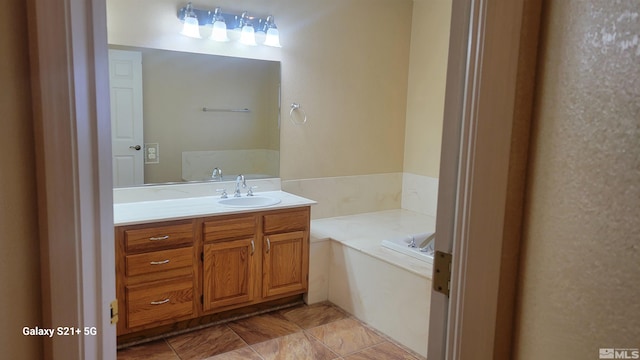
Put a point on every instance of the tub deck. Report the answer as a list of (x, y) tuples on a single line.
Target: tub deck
[(365, 232)]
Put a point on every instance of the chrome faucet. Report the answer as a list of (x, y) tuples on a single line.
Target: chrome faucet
[(216, 174), (428, 246), (239, 181), (412, 243)]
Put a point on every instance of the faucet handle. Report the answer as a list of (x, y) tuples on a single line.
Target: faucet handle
[(216, 174), (250, 191), (224, 193)]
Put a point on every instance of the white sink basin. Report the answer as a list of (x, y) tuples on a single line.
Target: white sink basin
[(249, 201)]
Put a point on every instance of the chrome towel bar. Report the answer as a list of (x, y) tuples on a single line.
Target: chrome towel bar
[(206, 109)]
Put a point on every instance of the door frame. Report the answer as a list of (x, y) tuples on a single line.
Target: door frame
[(71, 114), (487, 114), (72, 127)]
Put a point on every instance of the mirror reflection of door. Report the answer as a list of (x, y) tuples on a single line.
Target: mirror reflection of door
[(125, 81)]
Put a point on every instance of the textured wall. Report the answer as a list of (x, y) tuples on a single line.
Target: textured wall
[(580, 276), (19, 254)]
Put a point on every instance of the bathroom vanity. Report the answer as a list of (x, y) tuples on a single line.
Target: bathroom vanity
[(197, 260)]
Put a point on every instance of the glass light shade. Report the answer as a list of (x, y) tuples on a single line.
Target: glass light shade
[(273, 37), (219, 32), (191, 27), (248, 36)]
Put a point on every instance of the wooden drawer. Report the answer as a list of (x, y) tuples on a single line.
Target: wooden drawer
[(229, 228), (286, 221), (158, 237), (180, 260), (160, 301)]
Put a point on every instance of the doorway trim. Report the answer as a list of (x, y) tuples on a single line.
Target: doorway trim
[(484, 154), (70, 90)]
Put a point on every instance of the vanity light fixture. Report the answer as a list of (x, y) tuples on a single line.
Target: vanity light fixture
[(223, 25), (191, 27)]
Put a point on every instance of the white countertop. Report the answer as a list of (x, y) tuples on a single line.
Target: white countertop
[(175, 209)]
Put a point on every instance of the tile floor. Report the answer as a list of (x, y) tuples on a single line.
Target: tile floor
[(316, 332)]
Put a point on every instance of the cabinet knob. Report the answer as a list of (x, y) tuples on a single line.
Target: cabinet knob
[(268, 245)]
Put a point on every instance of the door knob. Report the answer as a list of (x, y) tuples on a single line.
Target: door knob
[(136, 147)]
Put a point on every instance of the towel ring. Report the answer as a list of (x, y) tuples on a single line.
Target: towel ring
[(296, 106)]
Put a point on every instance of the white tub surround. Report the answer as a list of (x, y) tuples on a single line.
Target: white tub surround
[(388, 298), (348, 195), (198, 165), (319, 262), (384, 288), (183, 208), (420, 193)]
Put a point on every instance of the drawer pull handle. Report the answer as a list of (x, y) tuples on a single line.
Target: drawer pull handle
[(159, 262), (158, 238), (268, 245), (253, 247), (160, 302)]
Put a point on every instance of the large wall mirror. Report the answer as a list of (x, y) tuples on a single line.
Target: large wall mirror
[(199, 112)]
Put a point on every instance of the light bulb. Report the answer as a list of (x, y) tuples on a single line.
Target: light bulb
[(273, 37), (219, 32), (191, 27), (248, 36)]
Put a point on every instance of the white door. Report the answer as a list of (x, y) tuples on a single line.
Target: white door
[(125, 80)]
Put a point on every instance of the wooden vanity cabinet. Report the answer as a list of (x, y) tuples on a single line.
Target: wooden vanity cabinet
[(174, 271), (156, 274)]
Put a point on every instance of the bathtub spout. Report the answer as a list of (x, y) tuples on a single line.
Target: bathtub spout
[(427, 245)]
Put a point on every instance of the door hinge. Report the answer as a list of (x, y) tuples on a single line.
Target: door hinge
[(114, 311), (442, 272), (202, 256), (202, 299)]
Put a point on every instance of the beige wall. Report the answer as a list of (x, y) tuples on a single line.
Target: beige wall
[(580, 281), (19, 245), (349, 77), (427, 80)]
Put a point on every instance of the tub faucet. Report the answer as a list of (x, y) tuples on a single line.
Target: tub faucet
[(412, 243), (239, 181), (216, 174)]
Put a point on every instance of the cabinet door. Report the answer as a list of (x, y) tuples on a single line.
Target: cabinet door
[(285, 263), (229, 273)]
